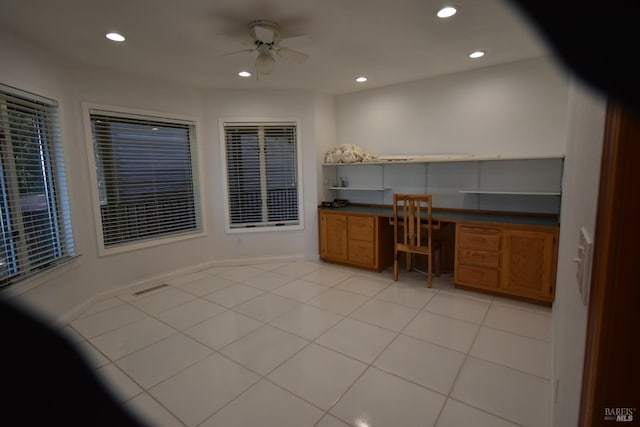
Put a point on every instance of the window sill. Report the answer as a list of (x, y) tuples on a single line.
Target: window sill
[(134, 246), (240, 230)]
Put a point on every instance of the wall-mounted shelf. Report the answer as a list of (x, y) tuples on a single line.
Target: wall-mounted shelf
[(361, 188), (395, 160), (512, 193), (499, 182)]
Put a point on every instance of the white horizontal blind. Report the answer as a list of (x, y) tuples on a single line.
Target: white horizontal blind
[(35, 222), (262, 175), (145, 177)]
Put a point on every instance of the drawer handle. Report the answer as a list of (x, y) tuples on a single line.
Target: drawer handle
[(478, 239), (477, 255), (481, 230)]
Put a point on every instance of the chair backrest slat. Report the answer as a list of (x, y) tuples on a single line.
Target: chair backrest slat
[(413, 212)]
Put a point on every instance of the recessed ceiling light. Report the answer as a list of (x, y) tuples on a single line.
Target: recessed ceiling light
[(115, 37), (446, 12), (361, 79), (244, 74), (477, 54)]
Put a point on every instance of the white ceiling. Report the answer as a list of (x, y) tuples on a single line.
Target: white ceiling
[(185, 41)]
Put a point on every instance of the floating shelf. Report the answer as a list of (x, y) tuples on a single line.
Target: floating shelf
[(513, 193), (488, 182), (361, 188), (394, 160)]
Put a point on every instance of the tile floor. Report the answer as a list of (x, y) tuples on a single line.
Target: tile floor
[(314, 344)]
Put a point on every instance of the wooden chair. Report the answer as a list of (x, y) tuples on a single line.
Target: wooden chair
[(412, 230)]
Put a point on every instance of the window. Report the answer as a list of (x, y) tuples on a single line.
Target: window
[(35, 222), (145, 178), (262, 165)]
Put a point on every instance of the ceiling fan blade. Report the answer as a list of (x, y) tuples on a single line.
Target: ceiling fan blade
[(264, 34), (247, 41), (234, 41), (294, 55), (296, 41), (239, 51)]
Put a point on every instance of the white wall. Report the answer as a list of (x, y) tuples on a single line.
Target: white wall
[(579, 202), (60, 292), (267, 104), (326, 137), (518, 109)]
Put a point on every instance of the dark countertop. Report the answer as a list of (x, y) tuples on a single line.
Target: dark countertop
[(460, 215)]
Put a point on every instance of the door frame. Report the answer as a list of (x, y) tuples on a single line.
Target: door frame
[(611, 376)]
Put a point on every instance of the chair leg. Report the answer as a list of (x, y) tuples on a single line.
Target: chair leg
[(437, 260), (409, 256), (395, 266), (429, 269)]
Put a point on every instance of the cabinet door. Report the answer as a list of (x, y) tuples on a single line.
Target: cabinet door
[(333, 236), (529, 262)]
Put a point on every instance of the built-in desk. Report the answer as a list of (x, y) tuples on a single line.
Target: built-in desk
[(510, 254)]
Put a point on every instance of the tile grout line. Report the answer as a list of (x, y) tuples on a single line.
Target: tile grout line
[(370, 364), (486, 412), (153, 316), (265, 376), (214, 351), (325, 413), (464, 362), (468, 355)]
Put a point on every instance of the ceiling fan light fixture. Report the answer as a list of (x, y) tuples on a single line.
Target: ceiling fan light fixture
[(244, 73), (361, 79), (264, 62)]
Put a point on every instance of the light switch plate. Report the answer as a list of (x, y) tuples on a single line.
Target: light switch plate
[(583, 263)]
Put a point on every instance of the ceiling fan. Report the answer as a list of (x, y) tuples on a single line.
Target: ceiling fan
[(266, 40)]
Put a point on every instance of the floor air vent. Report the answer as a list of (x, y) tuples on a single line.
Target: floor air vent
[(153, 288)]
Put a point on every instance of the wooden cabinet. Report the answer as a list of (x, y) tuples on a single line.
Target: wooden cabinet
[(507, 259), (529, 263), (359, 240), (333, 235), (478, 256)]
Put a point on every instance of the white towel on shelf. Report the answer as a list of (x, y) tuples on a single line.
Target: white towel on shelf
[(349, 153)]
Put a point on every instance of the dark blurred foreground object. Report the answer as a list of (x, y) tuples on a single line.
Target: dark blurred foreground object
[(596, 40), (46, 381)]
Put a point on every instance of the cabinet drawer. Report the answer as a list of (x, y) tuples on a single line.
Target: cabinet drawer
[(361, 228), (487, 277), (486, 239), (361, 253), (479, 258)]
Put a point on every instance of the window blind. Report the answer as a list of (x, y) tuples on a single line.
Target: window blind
[(262, 175), (145, 178), (35, 221)]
